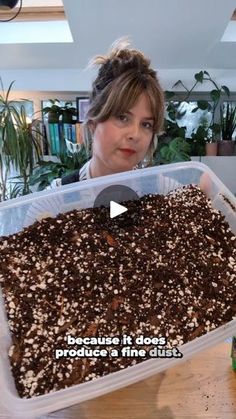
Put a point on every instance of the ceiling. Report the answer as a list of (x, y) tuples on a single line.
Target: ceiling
[(174, 34)]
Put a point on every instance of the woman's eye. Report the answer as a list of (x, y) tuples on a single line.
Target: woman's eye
[(123, 117), (148, 125)]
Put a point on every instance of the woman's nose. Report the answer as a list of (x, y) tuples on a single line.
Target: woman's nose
[(134, 131)]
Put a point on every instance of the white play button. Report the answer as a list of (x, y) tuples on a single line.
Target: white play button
[(116, 209)]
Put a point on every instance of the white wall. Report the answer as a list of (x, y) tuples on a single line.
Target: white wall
[(38, 96), (71, 80)]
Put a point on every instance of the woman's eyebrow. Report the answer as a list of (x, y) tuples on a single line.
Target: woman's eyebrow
[(144, 117)]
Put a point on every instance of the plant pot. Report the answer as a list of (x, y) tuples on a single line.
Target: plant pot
[(225, 148), (211, 149), (67, 118), (53, 117)]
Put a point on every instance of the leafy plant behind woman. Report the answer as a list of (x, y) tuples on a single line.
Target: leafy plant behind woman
[(19, 146)]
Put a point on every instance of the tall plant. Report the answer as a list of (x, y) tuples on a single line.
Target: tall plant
[(8, 138), (27, 150), (19, 145), (228, 121)]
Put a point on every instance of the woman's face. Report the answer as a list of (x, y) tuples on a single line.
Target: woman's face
[(122, 141)]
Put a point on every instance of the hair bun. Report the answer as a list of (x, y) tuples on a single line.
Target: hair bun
[(120, 59)]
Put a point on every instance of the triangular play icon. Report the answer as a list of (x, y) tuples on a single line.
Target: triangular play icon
[(116, 209)]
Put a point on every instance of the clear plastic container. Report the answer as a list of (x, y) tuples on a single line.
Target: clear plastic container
[(18, 213)]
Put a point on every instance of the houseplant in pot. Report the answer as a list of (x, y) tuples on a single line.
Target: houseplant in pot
[(213, 133), (228, 126), (20, 146), (53, 111), (209, 133), (27, 151), (68, 113)]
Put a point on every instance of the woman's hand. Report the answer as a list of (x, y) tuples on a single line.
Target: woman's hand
[(205, 184)]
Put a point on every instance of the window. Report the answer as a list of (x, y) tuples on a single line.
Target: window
[(189, 119)]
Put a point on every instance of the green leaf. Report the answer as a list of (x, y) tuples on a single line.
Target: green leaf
[(38, 177), (215, 95), (16, 189), (202, 104), (177, 150), (199, 76), (46, 172), (177, 83), (179, 115), (228, 121), (43, 185), (169, 95), (216, 128), (226, 90), (172, 115), (181, 132)]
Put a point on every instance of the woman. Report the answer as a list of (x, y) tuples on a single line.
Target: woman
[(125, 115)]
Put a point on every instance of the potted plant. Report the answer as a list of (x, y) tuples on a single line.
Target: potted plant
[(27, 151), (211, 147), (68, 113), (228, 126), (207, 143), (47, 171), (53, 111), (19, 145), (210, 134)]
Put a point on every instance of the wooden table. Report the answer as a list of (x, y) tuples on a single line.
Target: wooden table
[(202, 387)]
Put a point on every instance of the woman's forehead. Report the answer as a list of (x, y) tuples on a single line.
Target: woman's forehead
[(141, 100)]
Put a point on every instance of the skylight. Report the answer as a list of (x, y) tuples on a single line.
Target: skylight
[(35, 32), (230, 31), (41, 3), (40, 21)]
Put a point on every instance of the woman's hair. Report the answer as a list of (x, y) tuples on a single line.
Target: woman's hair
[(124, 74)]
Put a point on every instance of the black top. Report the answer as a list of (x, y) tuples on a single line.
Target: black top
[(71, 178)]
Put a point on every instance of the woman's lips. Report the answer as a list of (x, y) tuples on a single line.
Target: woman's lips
[(127, 151)]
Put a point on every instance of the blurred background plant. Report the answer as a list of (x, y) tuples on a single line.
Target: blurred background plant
[(47, 171), (175, 151), (208, 127), (20, 146), (55, 112), (227, 121)]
